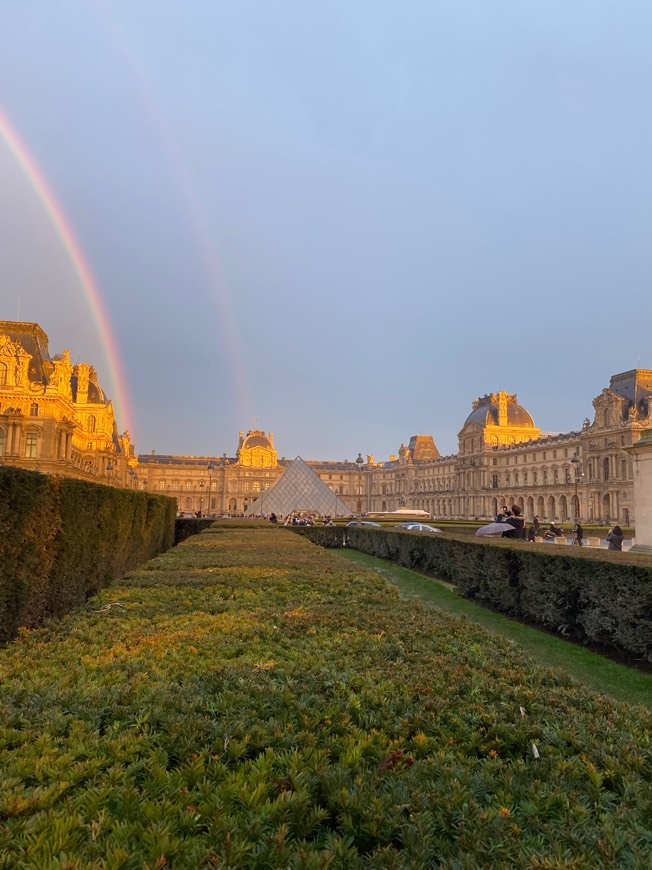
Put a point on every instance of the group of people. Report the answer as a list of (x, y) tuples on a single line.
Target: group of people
[(515, 519)]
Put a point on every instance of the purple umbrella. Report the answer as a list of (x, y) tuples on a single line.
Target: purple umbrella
[(494, 529)]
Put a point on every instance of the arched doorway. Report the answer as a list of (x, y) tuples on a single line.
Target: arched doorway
[(563, 508), (541, 508), (606, 508), (530, 506), (233, 505), (551, 507)]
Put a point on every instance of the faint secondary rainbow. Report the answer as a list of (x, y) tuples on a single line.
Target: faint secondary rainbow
[(61, 224), (218, 294)]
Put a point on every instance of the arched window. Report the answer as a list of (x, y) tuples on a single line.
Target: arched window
[(3, 374), (90, 423), (605, 468)]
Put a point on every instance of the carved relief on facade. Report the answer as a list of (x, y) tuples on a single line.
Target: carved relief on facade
[(41, 427)]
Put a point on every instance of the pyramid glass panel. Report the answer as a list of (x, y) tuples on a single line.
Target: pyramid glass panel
[(299, 489)]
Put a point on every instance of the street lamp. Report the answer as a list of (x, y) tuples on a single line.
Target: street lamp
[(359, 462), (577, 465), (201, 497), (211, 470), (109, 471)]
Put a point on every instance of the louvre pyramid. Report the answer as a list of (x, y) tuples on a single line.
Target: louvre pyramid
[(299, 489)]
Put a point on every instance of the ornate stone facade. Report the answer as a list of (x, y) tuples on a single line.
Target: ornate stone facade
[(503, 458), (54, 416)]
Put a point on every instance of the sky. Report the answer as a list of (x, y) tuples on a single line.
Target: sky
[(340, 221)]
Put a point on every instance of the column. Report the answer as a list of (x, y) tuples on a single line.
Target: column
[(642, 455)]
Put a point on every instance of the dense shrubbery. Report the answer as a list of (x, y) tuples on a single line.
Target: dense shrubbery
[(592, 596), (61, 540), (186, 527), (248, 700)]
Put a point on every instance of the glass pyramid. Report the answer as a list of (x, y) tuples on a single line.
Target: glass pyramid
[(299, 489)]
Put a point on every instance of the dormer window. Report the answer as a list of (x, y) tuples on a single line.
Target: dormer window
[(90, 423)]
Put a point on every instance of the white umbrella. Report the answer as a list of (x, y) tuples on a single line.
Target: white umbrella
[(494, 529)]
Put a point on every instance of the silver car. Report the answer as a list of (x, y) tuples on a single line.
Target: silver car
[(364, 523), (417, 527)]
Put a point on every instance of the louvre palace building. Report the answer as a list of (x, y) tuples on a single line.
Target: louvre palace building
[(503, 458), (55, 418)]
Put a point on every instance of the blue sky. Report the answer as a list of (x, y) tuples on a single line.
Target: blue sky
[(345, 220)]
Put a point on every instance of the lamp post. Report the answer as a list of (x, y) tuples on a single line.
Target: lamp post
[(109, 471), (201, 498), (359, 462), (211, 471), (577, 465)]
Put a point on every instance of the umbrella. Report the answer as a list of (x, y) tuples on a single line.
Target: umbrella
[(494, 529)]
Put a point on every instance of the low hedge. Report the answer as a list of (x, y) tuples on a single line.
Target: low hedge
[(248, 700), (62, 540), (591, 596)]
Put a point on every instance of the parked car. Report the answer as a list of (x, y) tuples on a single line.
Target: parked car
[(364, 523), (417, 527)]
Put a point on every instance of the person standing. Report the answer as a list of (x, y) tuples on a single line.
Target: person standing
[(615, 538), (579, 534), (516, 520)]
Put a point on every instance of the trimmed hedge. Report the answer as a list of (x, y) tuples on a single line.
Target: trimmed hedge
[(590, 596), (62, 540), (246, 700), (186, 527)]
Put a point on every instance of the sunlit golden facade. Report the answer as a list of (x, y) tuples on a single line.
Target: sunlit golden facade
[(503, 458), (54, 416)]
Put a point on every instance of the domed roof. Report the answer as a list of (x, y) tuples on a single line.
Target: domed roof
[(96, 394), (257, 440), (486, 412)]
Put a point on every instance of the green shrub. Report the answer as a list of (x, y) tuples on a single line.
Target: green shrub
[(248, 700), (591, 596), (62, 540)]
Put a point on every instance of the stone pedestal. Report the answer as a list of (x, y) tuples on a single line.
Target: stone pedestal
[(642, 455)]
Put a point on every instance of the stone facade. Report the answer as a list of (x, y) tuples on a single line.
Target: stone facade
[(503, 458), (54, 416)]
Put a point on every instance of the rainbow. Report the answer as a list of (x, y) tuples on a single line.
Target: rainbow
[(61, 224)]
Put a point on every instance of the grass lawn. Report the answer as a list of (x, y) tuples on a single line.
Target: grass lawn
[(595, 671)]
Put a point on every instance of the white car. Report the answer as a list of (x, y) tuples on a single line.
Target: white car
[(364, 523), (417, 527)]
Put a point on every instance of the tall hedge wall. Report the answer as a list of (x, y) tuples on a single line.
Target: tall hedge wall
[(61, 540), (591, 596)]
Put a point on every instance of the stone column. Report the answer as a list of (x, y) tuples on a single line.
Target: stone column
[(642, 454)]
